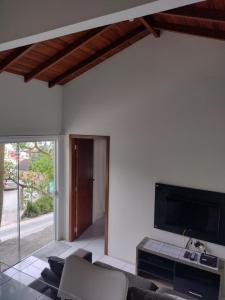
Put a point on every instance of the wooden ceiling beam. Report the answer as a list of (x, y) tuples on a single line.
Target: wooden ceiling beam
[(197, 13), (101, 55), (67, 51), (146, 23), (196, 31), (16, 55)]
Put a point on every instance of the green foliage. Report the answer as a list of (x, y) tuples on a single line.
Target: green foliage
[(43, 165), (23, 146), (9, 169), (45, 204), (32, 210), (42, 206), (36, 179)]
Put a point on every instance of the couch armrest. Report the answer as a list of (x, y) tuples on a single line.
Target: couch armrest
[(134, 280)]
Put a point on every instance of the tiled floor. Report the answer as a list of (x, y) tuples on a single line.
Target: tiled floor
[(27, 270), (92, 240)]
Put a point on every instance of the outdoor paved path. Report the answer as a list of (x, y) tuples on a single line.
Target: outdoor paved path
[(9, 213), (27, 227), (9, 249)]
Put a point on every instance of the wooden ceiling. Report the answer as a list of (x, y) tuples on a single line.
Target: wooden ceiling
[(62, 59)]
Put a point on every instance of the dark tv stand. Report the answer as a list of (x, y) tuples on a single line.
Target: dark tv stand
[(166, 262)]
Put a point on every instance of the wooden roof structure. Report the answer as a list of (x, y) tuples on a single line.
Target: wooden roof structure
[(63, 59)]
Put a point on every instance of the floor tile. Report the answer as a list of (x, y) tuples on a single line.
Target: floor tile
[(40, 264), (29, 260), (23, 278), (96, 257), (20, 266), (11, 271), (96, 247), (32, 271), (69, 252), (92, 240), (78, 243)]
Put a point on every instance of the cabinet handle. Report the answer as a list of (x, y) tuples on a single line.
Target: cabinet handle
[(195, 294)]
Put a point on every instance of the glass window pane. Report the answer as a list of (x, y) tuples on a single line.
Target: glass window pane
[(37, 192), (27, 196), (9, 243)]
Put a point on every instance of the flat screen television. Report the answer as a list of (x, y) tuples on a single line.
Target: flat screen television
[(190, 212)]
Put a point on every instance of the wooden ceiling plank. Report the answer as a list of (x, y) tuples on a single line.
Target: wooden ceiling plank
[(67, 51), (99, 56), (202, 32), (197, 13), (146, 23), (15, 56)]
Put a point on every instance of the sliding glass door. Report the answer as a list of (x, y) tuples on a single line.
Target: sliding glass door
[(27, 196)]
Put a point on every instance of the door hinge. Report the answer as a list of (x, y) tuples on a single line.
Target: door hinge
[(75, 147)]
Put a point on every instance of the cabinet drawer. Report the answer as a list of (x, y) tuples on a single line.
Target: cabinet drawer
[(151, 265), (196, 283), (157, 261)]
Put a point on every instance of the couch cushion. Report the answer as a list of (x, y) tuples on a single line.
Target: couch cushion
[(134, 280), (56, 265), (83, 280)]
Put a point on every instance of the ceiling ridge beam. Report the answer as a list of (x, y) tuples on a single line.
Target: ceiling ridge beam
[(202, 32), (100, 56), (64, 53), (198, 13), (16, 55), (148, 26)]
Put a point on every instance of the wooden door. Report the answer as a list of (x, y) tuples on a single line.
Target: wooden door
[(82, 184)]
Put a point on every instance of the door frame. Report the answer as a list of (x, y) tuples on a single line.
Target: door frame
[(71, 200)]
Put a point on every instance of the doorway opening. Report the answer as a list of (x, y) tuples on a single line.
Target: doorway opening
[(89, 185)]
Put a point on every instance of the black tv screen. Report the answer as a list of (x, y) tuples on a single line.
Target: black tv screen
[(191, 212)]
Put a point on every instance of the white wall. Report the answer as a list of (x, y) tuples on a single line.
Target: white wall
[(99, 179), (29, 109), (32, 109), (162, 101)]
